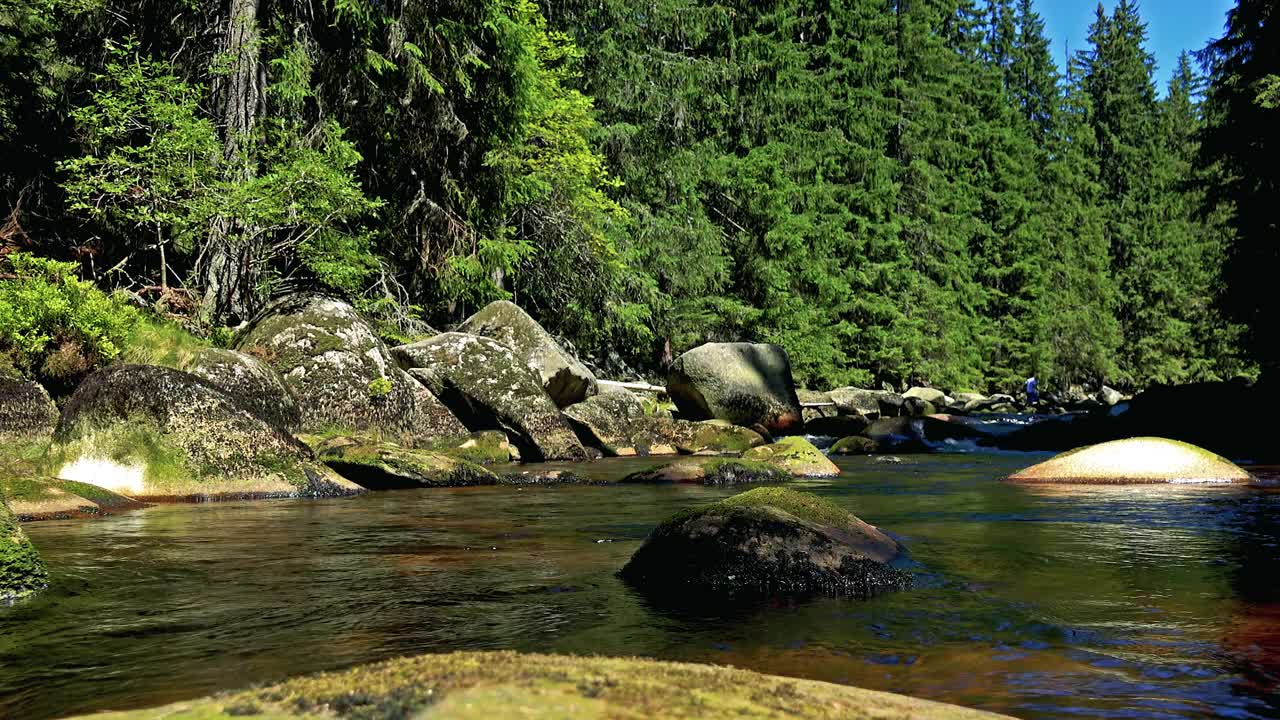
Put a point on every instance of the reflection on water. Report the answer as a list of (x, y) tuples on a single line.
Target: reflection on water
[(1092, 602)]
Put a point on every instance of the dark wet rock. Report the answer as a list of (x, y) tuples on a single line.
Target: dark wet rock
[(341, 372), (855, 445), (838, 426), (796, 456), (385, 466), (490, 388), (22, 572), (565, 379), (1142, 460), (767, 542), (917, 407), (26, 411), (920, 434), (717, 471), (743, 383), (156, 433), (253, 383)]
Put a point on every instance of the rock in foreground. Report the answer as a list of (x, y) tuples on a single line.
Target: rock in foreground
[(155, 433), (541, 687), (745, 383), (21, 569), (1134, 461), (565, 379), (763, 543)]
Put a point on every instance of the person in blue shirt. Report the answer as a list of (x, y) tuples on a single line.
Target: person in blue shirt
[(1033, 391)]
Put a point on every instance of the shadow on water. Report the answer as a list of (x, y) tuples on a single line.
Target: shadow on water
[(1033, 602)]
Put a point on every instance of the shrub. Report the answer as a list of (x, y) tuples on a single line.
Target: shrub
[(54, 326)]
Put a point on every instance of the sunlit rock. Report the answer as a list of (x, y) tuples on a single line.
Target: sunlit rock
[(1142, 460)]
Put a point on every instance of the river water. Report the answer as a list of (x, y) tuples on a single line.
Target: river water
[(1095, 602)]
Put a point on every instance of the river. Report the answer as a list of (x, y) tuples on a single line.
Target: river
[(1094, 602)]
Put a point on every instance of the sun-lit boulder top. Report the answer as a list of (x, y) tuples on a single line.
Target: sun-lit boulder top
[(1141, 460), (536, 687)]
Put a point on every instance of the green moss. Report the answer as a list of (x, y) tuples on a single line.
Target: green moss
[(539, 687), (154, 341), (382, 466), (803, 505), (22, 572), (380, 387), (137, 444)]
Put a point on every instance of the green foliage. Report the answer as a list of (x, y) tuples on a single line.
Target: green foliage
[(380, 387), (155, 341), (56, 326)]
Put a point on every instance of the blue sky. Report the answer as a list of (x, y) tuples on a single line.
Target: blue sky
[(1172, 26)]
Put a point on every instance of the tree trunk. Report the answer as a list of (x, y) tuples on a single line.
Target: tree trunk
[(230, 269)]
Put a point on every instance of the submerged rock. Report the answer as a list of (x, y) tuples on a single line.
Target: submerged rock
[(341, 372), (156, 433), (1142, 460), (252, 382), (744, 383), (796, 456), (22, 572), (484, 383), (26, 411), (565, 379), (384, 466), (763, 543), (542, 687)]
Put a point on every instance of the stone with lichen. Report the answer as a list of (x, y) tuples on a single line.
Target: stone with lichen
[(746, 384), (26, 411), (254, 384), (795, 455), (565, 380), (619, 424), (341, 372), (490, 388)]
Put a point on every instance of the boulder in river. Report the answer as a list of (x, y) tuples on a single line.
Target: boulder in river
[(483, 382), (341, 372), (26, 411), (920, 434), (1134, 461), (744, 383), (838, 426), (621, 425), (384, 466), (869, 403), (149, 432), (797, 456), (933, 396), (766, 542), (715, 471), (252, 382), (543, 687), (565, 379), (854, 445), (22, 572)]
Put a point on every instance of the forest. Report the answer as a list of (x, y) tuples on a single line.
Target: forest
[(901, 191)]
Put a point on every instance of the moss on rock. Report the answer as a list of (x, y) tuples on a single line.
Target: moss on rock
[(713, 471), (22, 572), (854, 445), (485, 384), (766, 542), (252, 382), (565, 379), (1141, 460), (541, 687), (385, 466), (796, 456), (155, 433)]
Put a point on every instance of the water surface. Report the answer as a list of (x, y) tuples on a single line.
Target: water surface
[(1097, 602)]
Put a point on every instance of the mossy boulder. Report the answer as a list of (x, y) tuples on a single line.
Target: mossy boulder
[(26, 411), (714, 471), (155, 433), (252, 382), (744, 383), (620, 424), (1141, 460), (543, 687), (385, 466), (763, 543), (38, 498), (22, 572), (854, 445), (341, 372), (795, 455), (490, 388), (565, 379)]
